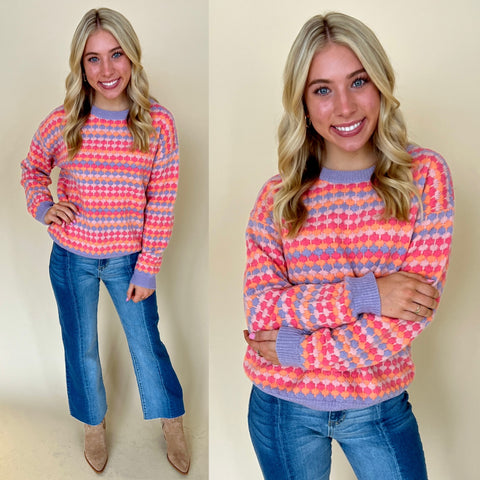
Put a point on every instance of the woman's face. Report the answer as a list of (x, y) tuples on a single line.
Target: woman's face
[(343, 106), (108, 70)]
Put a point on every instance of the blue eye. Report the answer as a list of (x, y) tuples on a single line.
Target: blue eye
[(92, 59), (322, 91), (117, 54), (359, 82)]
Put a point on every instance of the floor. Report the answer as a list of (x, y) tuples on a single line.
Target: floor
[(46, 443)]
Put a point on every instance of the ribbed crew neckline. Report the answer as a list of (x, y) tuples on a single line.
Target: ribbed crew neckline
[(346, 176), (109, 114)]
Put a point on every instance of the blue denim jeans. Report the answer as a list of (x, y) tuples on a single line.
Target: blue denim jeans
[(76, 284), (293, 442)]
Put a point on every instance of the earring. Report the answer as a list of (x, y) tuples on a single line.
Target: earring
[(308, 122), (84, 77)]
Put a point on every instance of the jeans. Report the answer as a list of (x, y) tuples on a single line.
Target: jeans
[(294, 442), (76, 284)]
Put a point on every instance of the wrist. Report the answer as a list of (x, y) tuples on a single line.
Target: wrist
[(364, 294)]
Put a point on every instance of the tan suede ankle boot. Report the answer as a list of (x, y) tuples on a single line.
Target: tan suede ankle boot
[(96, 446), (177, 451)]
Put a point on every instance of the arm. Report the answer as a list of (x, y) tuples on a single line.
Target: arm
[(36, 169), (373, 338), (159, 211), (45, 149), (272, 301)]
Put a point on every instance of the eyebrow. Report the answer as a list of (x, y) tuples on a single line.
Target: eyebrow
[(324, 80), (110, 51)]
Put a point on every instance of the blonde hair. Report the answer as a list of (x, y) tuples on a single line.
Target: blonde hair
[(300, 146), (79, 94)]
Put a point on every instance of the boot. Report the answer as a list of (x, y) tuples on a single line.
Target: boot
[(96, 446), (177, 452)]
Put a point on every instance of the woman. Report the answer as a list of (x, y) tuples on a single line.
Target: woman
[(347, 251), (118, 158)]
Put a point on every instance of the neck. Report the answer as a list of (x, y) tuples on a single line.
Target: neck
[(119, 104), (336, 159)]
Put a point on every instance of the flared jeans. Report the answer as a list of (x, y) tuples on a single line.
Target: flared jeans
[(293, 442), (76, 284)]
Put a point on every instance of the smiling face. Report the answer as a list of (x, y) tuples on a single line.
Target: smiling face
[(343, 106), (108, 70)]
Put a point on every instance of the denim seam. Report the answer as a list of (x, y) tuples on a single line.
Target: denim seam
[(81, 343), (282, 449), (136, 368), (146, 412), (139, 382), (159, 370), (381, 429)]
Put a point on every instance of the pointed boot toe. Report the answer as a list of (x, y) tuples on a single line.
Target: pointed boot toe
[(96, 453), (177, 451)]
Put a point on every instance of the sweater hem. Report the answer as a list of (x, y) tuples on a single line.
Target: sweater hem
[(86, 255), (328, 403)]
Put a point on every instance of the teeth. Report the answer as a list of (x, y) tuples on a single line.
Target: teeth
[(350, 128), (110, 84)]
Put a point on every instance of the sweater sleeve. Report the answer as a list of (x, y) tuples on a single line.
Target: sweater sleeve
[(373, 338), (159, 211), (272, 301), (37, 167)]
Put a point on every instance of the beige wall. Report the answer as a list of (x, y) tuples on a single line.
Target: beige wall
[(434, 47), (35, 38)]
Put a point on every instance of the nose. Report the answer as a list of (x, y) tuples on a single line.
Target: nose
[(345, 103), (107, 68)]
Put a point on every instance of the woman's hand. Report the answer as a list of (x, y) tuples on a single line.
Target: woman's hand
[(60, 213), (137, 294), (407, 296), (264, 343)]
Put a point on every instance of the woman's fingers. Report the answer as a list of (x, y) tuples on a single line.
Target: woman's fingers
[(264, 343), (427, 301), (407, 296), (61, 212), (420, 311)]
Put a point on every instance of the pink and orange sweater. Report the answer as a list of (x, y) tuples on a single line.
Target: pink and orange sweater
[(336, 350), (125, 197)]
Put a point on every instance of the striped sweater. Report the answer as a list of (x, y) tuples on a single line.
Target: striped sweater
[(125, 197), (336, 350)]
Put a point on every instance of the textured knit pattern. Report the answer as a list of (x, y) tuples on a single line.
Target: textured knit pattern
[(336, 351), (125, 197)]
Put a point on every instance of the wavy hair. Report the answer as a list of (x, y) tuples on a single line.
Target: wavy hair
[(300, 147), (79, 94)]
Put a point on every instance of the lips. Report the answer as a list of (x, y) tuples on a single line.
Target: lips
[(110, 84), (349, 129)]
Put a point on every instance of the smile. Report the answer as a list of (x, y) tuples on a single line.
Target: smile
[(350, 128), (110, 84)]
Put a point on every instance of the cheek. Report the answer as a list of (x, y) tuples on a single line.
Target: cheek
[(372, 103), (127, 68), (89, 70), (321, 114)]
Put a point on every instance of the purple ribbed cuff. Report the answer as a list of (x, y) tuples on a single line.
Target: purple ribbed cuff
[(142, 279), (42, 209), (289, 347), (364, 294)]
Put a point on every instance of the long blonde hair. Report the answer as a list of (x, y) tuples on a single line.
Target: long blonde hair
[(79, 95), (300, 147)]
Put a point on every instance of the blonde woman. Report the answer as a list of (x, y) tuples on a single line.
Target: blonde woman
[(117, 152), (347, 252)]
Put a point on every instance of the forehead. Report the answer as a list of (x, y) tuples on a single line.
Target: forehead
[(100, 40), (334, 62)]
